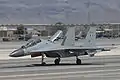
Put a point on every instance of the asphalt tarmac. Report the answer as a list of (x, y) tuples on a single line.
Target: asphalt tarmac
[(104, 66), (94, 68)]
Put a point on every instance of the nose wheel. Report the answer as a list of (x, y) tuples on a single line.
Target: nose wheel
[(57, 61)]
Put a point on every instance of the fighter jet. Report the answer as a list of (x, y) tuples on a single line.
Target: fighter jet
[(66, 49)]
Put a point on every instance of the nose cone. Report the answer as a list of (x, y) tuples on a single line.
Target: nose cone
[(17, 53)]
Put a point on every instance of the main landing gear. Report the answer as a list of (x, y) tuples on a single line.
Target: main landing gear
[(57, 61), (42, 61), (78, 61)]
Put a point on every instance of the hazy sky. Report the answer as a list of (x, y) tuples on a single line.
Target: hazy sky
[(52, 11)]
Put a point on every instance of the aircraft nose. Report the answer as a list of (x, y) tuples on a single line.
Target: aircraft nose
[(17, 53)]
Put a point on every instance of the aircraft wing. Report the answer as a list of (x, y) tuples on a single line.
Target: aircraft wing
[(55, 50), (64, 48)]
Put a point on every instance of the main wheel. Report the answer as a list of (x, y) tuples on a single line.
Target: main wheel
[(78, 61), (57, 61), (43, 63)]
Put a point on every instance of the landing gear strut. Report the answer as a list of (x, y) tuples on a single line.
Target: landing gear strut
[(57, 61), (78, 61), (42, 61)]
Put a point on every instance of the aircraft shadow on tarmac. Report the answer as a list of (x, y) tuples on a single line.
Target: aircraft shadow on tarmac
[(62, 64), (67, 64)]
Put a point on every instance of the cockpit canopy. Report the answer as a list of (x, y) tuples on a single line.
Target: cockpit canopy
[(31, 43)]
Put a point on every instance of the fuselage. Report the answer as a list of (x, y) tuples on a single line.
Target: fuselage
[(61, 51)]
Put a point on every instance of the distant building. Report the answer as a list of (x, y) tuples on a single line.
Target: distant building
[(6, 32), (108, 30)]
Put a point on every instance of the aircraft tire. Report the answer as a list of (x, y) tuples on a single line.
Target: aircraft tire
[(78, 61), (43, 63), (57, 61)]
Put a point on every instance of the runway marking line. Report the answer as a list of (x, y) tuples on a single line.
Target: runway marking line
[(58, 73), (59, 68)]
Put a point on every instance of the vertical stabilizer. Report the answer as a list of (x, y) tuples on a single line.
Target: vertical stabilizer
[(69, 39), (55, 36), (90, 40)]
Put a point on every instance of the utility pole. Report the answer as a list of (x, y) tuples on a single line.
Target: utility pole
[(88, 4), (24, 33), (88, 13)]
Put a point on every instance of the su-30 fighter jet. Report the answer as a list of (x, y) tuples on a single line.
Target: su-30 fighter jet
[(63, 50)]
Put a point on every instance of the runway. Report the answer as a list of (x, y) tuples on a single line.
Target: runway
[(104, 66), (94, 68)]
